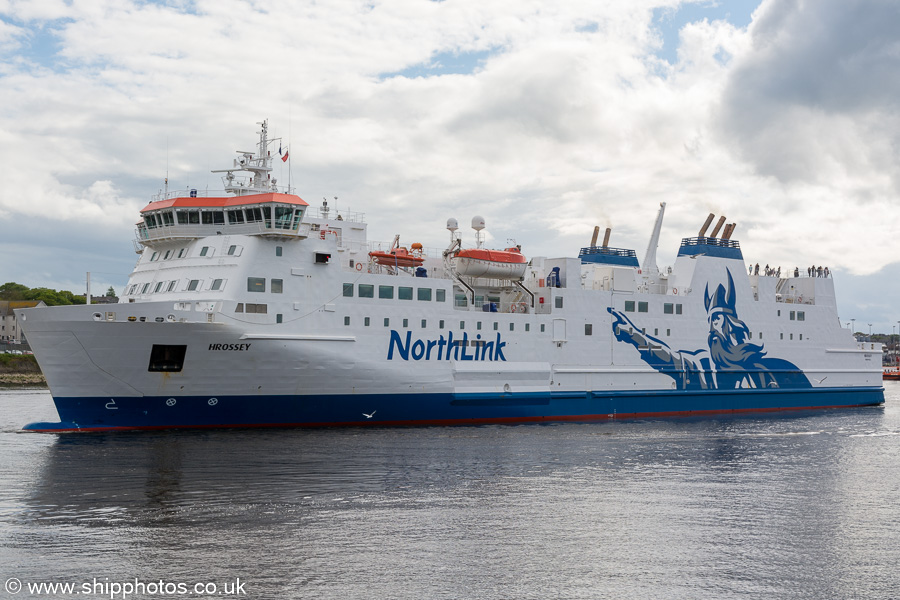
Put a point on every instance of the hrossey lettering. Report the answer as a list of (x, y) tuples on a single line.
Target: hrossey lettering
[(405, 348), (230, 347)]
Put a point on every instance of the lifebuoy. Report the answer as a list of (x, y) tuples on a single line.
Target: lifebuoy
[(359, 266), (322, 234), (675, 291), (513, 307)]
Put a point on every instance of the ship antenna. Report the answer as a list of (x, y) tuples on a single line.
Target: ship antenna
[(166, 195)]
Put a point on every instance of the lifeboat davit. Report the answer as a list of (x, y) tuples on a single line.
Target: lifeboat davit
[(498, 264), (400, 257)]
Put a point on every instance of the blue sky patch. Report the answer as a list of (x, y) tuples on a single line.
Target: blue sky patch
[(445, 63), (669, 22)]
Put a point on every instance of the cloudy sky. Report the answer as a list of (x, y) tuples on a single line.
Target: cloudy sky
[(546, 118)]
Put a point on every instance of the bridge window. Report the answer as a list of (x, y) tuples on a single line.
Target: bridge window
[(254, 215), (236, 217), (283, 216), (366, 290), (213, 217)]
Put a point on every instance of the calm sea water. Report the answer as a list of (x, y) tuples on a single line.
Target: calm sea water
[(803, 505)]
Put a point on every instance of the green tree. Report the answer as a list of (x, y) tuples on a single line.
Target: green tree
[(13, 291), (111, 292)]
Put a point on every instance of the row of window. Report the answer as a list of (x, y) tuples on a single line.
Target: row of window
[(366, 290), (367, 321), (207, 251), (258, 284), (668, 308), (193, 285), (286, 217)]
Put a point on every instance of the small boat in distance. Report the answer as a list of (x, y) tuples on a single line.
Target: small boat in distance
[(891, 374)]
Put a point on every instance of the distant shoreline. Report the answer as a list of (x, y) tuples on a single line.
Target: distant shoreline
[(20, 371)]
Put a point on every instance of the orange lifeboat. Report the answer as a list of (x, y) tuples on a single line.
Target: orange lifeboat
[(499, 264), (399, 257)]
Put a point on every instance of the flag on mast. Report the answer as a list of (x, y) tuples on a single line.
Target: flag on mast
[(285, 156)]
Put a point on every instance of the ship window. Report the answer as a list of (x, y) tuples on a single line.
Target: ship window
[(386, 291), (801, 336), (278, 253), (168, 253), (154, 256), (213, 217), (588, 329), (366, 321), (792, 336), (278, 318), (655, 331), (792, 315), (405, 323), (181, 253), (460, 300), (204, 250), (259, 309), (779, 312), (424, 294), (239, 307), (677, 309), (256, 284), (167, 358), (629, 306), (478, 325), (182, 217), (366, 290), (347, 321), (527, 326), (158, 287), (322, 258), (168, 219), (542, 328), (424, 323), (267, 215), (479, 300), (558, 302), (387, 322), (441, 324), (404, 293), (348, 290), (193, 217), (801, 316), (512, 326), (668, 308), (496, 326), (254, 215), (232, 250), (462, 324), (236, 216), (781, 336), (283, 216), (216, 285), (277, 286), (440, 295), (172, 285), (643, 306), (668, 332), (146, 287), (192, 285), (760, 335)]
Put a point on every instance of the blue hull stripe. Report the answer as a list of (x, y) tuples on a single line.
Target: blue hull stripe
[(99, 414)]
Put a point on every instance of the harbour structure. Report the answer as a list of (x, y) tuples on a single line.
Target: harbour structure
[(252, 308)]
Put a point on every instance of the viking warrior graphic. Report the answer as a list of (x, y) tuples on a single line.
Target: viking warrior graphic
[(730, 362)]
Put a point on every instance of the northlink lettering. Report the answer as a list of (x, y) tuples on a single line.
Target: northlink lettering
[(445, 349)]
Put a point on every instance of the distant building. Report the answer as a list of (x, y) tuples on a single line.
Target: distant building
[(10, 333), (102, 299)]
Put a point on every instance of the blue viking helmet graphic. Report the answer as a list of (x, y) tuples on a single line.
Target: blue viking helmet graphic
[(721, 300)]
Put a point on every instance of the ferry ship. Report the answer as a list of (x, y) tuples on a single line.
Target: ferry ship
[(251, 308)]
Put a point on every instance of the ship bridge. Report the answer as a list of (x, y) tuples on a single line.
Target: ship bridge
[(269, 214)]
